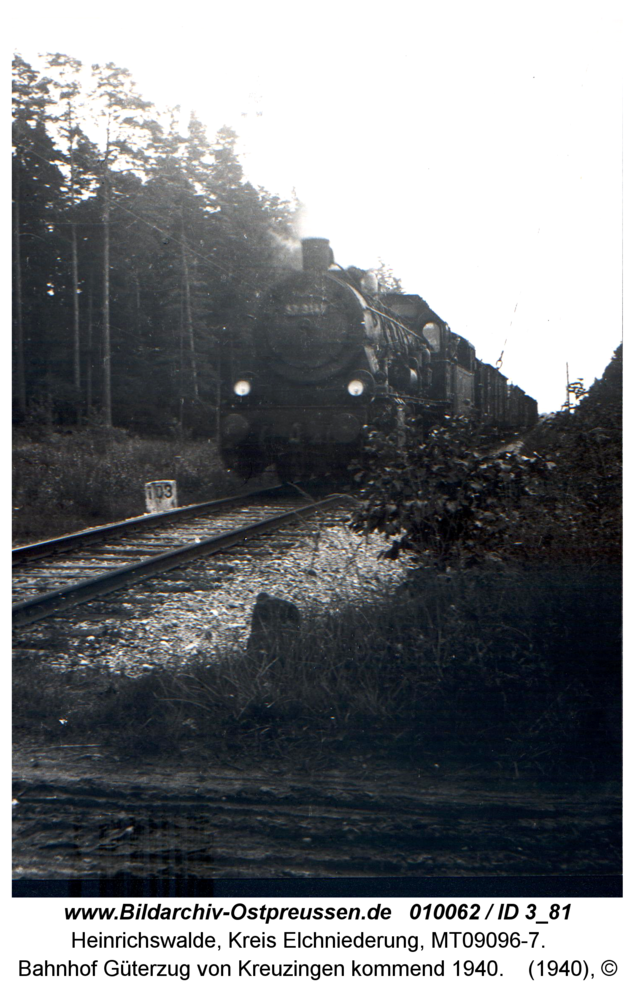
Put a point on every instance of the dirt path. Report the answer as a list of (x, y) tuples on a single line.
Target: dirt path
[(82, 813)]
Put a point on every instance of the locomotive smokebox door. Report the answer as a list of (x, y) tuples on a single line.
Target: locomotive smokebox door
[(160, 496)]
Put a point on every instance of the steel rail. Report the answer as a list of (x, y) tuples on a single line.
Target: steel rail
[(59, 600), (64, 543)]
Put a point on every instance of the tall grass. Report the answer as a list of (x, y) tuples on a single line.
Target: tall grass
[(516, 671), (66, 482)]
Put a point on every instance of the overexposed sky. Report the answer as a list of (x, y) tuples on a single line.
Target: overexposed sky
[(476, 148)]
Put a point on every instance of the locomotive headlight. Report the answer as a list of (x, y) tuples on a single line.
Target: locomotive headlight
[(356, 387), (242, 387)]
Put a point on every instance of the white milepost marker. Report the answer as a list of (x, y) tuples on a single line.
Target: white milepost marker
[(160, 496)]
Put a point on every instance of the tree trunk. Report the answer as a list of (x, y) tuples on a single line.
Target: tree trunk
[(188, 313), (76, 345), (89, 353), (137, 314), (218, 408), (107, 400), (17, 319), (181, 364)]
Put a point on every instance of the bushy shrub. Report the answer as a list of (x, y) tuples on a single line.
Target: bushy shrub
[(444, 493), (454, 495)]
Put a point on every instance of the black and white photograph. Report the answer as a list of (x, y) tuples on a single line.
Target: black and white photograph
[(317, 446)]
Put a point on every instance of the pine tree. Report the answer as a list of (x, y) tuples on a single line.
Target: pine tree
[(36, 191), (128, 133), (80, 161)]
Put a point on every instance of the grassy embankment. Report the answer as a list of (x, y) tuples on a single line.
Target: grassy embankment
[(64, 482), (512, 666), (511, 671)]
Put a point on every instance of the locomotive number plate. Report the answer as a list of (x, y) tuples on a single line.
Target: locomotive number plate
[(307, 307)]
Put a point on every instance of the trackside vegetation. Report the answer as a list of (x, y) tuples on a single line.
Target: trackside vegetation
[(500, 652), (66, 481)]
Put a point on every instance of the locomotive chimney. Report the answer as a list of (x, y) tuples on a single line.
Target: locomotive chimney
[(316, 254)]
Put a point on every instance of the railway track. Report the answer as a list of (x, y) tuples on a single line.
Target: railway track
[(50, 577)]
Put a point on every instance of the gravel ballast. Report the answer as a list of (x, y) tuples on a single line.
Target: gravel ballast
[(205, 607)]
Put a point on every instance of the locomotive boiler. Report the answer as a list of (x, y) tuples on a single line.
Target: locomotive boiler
[(330, 356)]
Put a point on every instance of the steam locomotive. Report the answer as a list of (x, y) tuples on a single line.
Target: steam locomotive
[(331, 356)]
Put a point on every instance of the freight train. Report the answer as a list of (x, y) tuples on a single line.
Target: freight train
[(331, 357)]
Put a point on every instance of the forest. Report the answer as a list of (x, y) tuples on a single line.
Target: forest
[(139, 251)]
